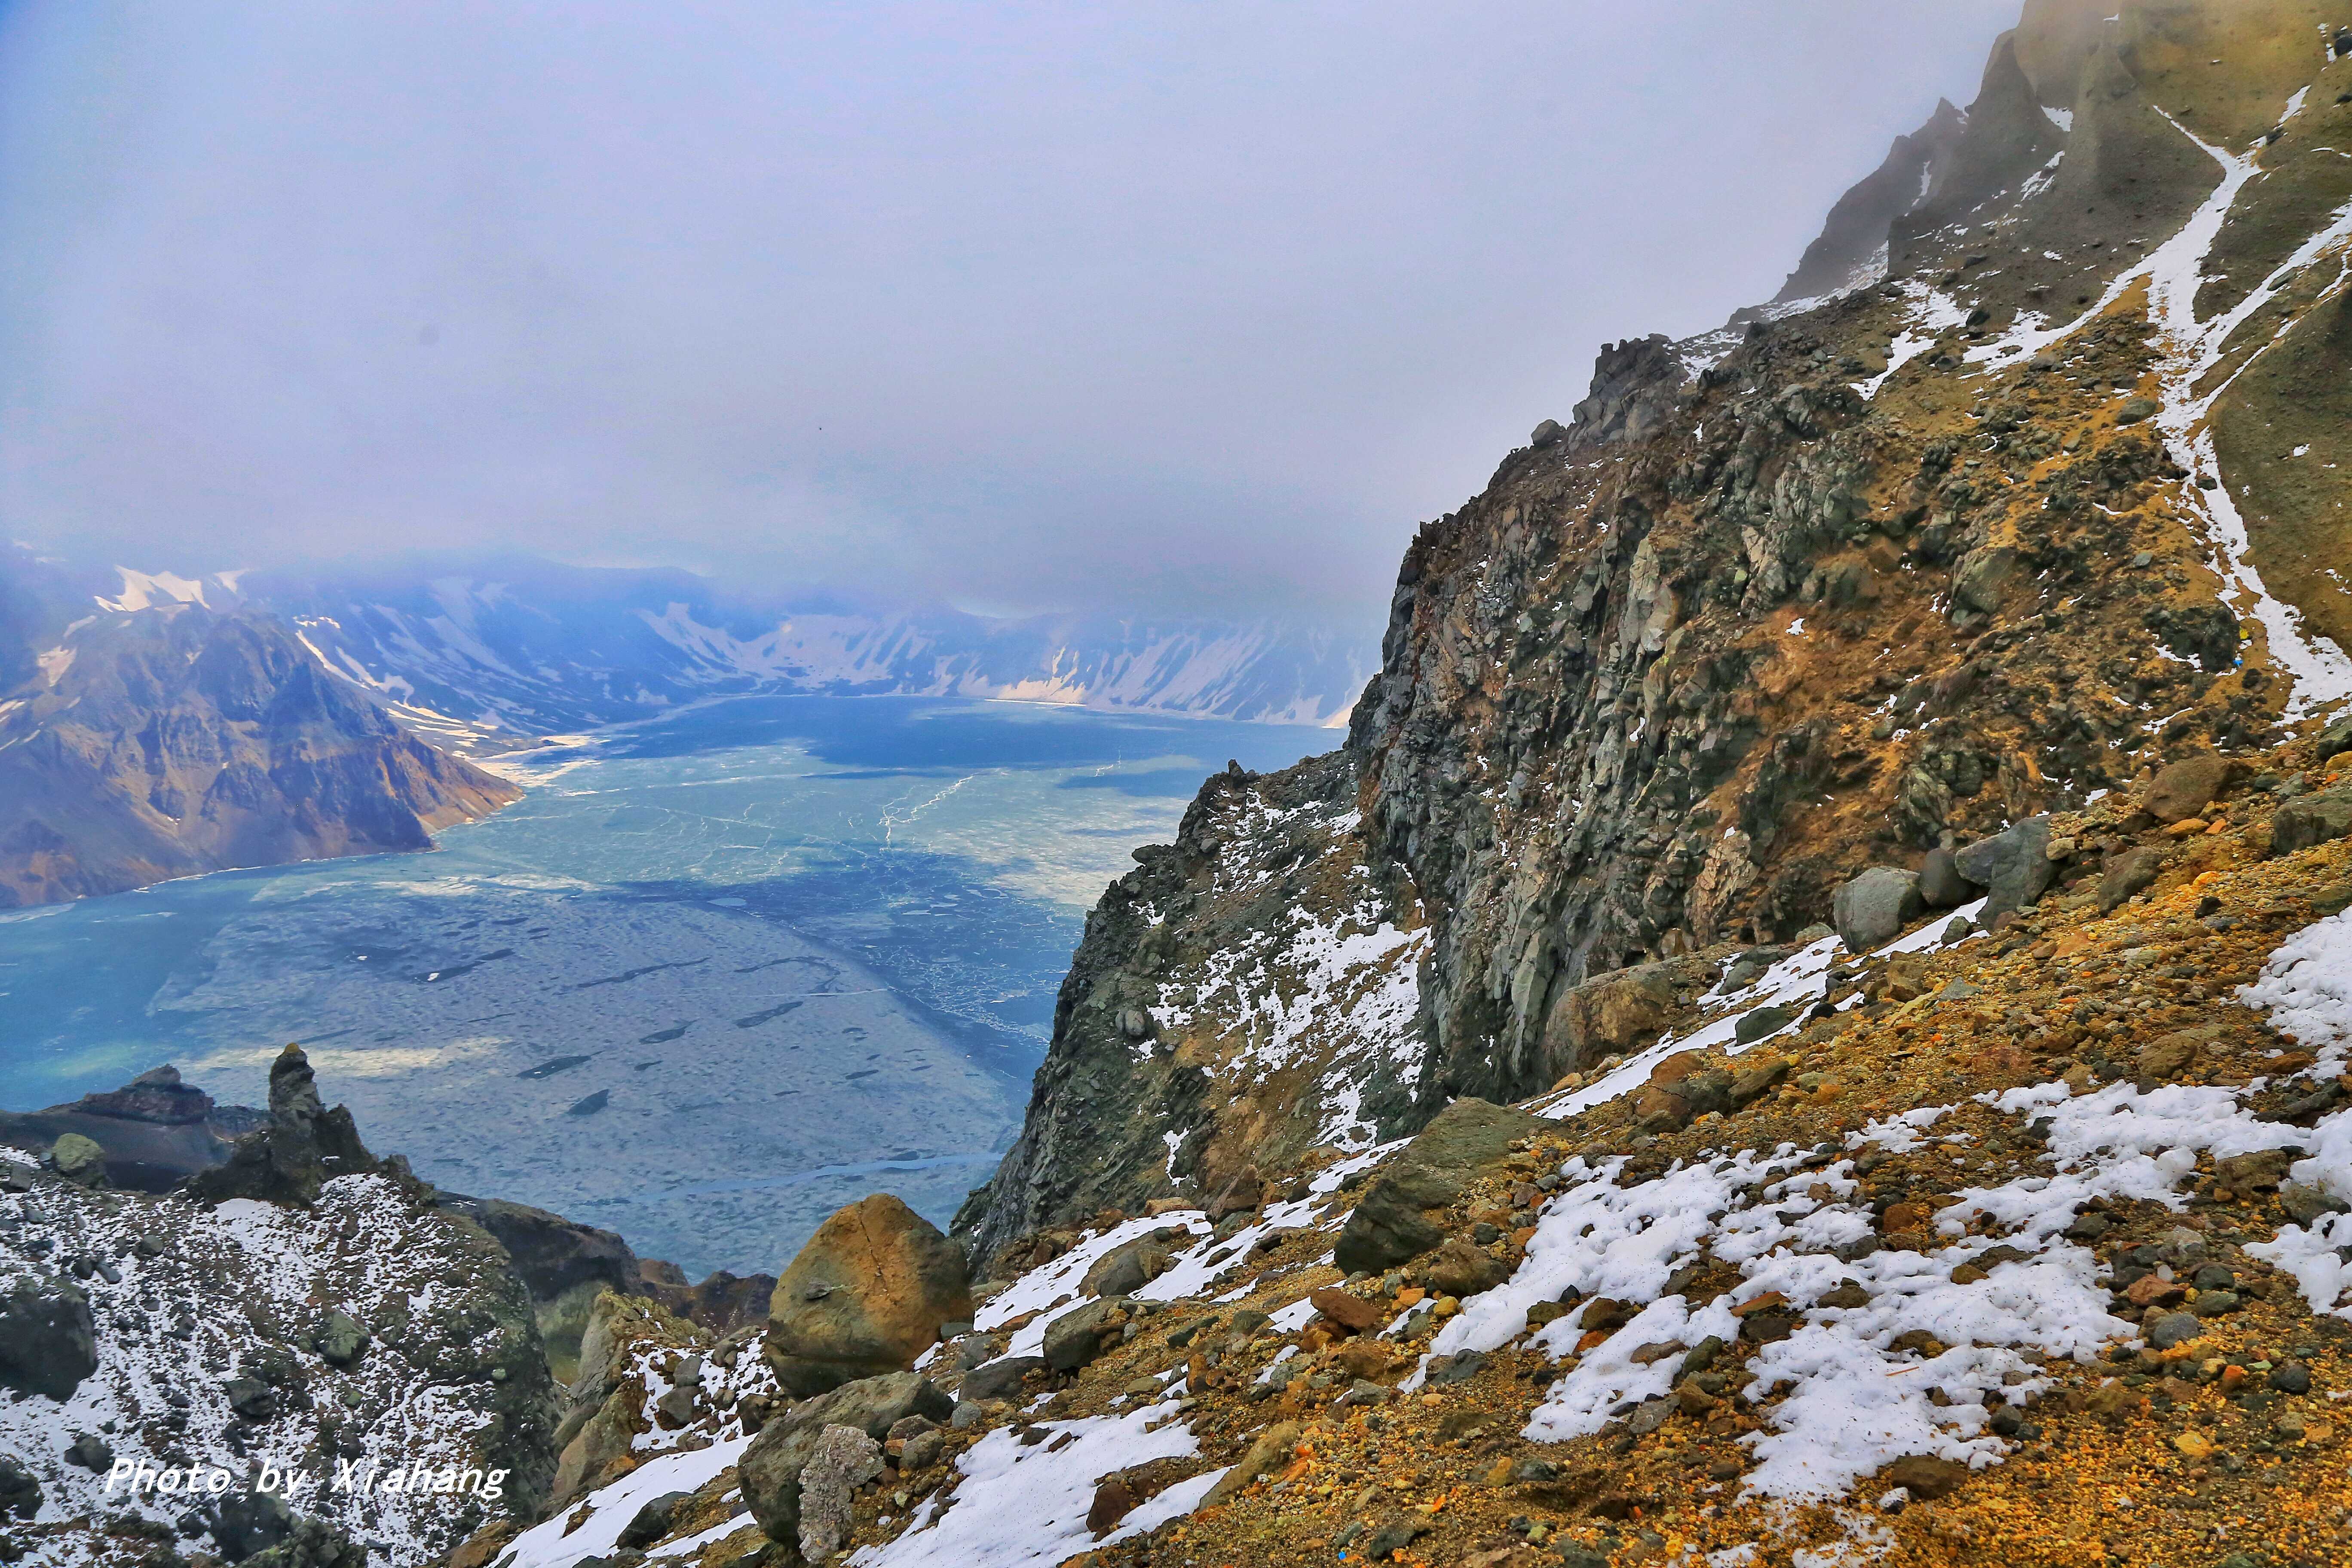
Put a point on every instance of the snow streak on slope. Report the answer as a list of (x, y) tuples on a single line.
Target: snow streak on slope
[(1024, 1505), (2172, 274)]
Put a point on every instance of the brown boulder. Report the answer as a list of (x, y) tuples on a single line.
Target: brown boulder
[(1614, 1015), (1352, 1313), (1459, 1269), (1657, 1108), (2166, 1057), (864, 1297), (1241, 1194), (2185, 789), (1925, 1476), (1114, 1501)]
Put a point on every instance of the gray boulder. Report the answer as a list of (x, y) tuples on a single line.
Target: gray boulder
[(1977, 580), (20, 1494), (48, 1341), (770, 1470), (1127, 1268), (341, 1341), (2133, 871), (844, 1459), (310, 1543), (2312, 819), (1941, 885), (245, 1522), (2013, 866), (1874, 908), (651, 1521), (1000, 1379), (1759, 1022), (1392, 1222), (1077, 1336)]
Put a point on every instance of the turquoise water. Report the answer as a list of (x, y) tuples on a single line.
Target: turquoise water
[(714, 976)]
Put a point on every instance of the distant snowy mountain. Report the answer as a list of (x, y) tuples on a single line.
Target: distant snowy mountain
[(533, 646)]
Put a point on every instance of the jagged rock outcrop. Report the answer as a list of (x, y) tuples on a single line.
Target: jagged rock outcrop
[(1391, 1223), (1243, 998), (1882, 580), (2005, 138), (303, 1146), (175, 740), (1852, 249), (564, 1264)]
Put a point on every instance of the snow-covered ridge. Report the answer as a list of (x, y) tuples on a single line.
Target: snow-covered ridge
[(211, 1347)]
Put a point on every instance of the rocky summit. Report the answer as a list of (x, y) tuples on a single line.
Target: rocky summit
[(1807, 1023)]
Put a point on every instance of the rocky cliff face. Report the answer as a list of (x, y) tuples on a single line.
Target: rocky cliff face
[(171, 740), (2030, 506)]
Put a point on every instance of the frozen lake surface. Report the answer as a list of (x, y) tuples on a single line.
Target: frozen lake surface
[(713, 977)]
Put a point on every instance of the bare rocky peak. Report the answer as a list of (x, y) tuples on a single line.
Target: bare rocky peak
[(170, 741)]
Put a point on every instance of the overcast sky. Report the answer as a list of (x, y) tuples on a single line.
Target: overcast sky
[(1027, 306)]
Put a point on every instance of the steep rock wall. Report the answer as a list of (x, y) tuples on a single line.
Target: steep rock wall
[(1864, 579)]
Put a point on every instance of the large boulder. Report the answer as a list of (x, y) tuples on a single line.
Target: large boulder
[(1874, 908), (1079, 1335), (2312, 819), (49, 1342), (865, 1296), (2013, 866), (20, 1491), (770, 1470), (1129, 1266), (564, 1264), (2132, 872), (1614, 1015), (1458, 1268), (1000, 1378), (2184, 789), (1392, 1221), (78, 1158), (1982, 574), (1941, 885)]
